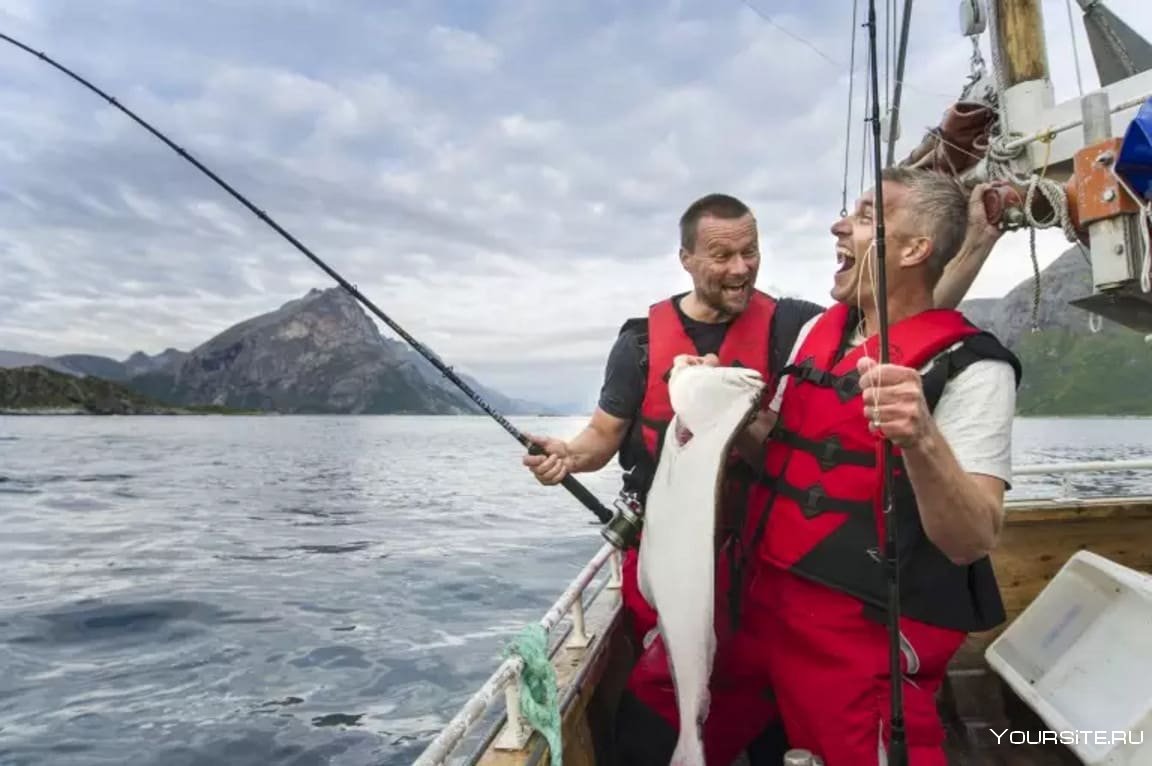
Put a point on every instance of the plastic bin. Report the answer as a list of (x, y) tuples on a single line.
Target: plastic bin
[(1080, 656)]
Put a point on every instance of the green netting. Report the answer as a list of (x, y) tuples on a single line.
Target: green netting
[(538, 694)]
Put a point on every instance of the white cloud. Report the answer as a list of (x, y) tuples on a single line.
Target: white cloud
[(504, 183)]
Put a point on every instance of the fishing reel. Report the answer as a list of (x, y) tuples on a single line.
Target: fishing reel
[(624, 527)]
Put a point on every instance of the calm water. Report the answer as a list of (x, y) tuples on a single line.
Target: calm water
[(296, 590)]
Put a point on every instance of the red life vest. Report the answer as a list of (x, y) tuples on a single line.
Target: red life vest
[(823, 518), (745, 344)]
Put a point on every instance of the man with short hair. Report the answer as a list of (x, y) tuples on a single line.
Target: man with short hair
[(725, 318), (946, 401)]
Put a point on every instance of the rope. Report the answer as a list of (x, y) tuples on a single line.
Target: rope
[(999, 168), (539, 698), (1075, 47)]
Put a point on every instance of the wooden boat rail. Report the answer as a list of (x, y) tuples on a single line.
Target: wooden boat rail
[(585, 655), (516, 733)]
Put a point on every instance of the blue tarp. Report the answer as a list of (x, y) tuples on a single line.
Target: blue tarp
[(1134, 164)]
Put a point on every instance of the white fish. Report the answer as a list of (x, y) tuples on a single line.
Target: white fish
[(677, 559)]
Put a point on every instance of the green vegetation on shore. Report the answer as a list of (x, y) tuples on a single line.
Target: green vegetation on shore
[(39, 390), (1073, 373)]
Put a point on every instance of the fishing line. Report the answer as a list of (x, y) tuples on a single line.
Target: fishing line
[(898, 752), (570, 483)]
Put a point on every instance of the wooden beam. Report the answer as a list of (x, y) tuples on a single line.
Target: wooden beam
[(1020, 38)]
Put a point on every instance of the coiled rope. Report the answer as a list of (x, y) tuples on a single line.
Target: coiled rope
[(539, 698)]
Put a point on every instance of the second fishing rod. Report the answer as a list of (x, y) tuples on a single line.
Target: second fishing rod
[(897, 754), (570, 482)]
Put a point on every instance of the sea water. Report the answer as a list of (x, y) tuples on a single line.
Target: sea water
[(299, 590)]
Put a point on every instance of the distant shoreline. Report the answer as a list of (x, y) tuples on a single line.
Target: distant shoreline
[(50, 412)]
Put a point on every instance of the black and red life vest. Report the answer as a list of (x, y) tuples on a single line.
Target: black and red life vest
[(822, 496), (745, 345)]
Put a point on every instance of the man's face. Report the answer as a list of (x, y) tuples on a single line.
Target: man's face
[(855, 279), (724, 263)]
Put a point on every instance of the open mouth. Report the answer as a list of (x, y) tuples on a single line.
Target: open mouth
[(845, 259), (734, 291)]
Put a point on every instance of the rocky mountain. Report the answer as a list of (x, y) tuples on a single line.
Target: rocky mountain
[(17, 359), (110, 369), (41, 390), (320, 353), (1065, 279), (1068, 369)]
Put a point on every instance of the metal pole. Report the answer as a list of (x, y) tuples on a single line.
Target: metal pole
[(894, 119), (1112, 240)]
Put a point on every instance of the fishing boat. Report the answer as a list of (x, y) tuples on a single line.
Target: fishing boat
[(1085, 166)]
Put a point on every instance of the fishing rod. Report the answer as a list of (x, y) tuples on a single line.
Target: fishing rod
[(898, 752), (570, 483)]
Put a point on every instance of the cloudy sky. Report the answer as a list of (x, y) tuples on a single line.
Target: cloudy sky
[(502, 177)]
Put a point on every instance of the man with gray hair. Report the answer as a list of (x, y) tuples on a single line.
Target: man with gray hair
[(816, 624), (719, 250)]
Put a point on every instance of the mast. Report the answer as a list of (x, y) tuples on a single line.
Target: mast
[(1019, 34), (1076, 144)]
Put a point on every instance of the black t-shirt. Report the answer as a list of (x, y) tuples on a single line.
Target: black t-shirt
[(626, 373)]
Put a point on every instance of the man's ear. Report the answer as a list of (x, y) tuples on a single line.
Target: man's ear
[(918, 251), (684, 256)]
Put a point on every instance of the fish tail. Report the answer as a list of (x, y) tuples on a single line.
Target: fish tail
[(689, 751), (689, 746)]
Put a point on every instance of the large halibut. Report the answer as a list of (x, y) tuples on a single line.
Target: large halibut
[(677, 559)]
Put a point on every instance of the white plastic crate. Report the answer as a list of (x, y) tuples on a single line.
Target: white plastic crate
[(1080, 655)]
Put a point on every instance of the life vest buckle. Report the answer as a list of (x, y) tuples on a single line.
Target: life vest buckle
[(830, 451), (813, 502), (846, 386)]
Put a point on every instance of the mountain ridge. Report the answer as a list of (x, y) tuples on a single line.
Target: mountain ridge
[(1069, 369), (317, 353)]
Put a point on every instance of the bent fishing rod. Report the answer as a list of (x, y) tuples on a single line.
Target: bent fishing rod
[(570, 483), (898, 755)]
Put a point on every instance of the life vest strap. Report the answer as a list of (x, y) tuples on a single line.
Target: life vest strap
[(813, 501), (829, 452), (655, 425), (846, 386)]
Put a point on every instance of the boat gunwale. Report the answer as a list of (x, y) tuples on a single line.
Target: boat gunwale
[(505, 678)]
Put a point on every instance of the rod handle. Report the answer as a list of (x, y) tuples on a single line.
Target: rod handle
[(578, 490)]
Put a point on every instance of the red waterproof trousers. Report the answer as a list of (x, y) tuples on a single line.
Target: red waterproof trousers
[(829, 669), (741, 705), (805, 653), (641, 615)]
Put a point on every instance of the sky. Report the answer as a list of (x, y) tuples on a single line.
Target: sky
[(502, 178)]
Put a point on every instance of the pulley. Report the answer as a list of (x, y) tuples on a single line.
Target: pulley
[(973, 18)]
